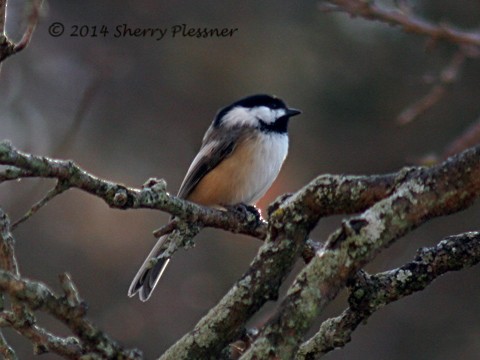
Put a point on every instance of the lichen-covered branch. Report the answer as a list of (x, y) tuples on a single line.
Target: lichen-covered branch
[(369, 293), (72, 313), (425, 193), (8, 261), (392, 205), (27, 296), (152, 195), (42, 340), (5, 350), (326, 195)]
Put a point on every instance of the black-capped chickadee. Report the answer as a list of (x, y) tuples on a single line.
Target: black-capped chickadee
[(240, 157)]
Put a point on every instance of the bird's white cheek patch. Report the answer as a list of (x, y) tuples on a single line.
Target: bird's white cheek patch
[(239, 116)]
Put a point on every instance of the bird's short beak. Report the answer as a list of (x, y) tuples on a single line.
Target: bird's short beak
[(293, 112)]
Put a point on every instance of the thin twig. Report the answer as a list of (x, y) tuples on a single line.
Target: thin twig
[(470, 137), (59, 188), (446, 78), (83, 106), (370, 10), (32, 21), (3, 16), (9, 48), (166, 229), (6, 350)]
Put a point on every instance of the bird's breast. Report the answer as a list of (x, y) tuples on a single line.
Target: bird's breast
[(246, 174)]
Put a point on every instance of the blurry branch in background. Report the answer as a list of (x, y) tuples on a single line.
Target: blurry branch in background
[(84, 105), (389, 206), (470, 137), (467, 43), (403, 18), (8, 47), (448, 76)]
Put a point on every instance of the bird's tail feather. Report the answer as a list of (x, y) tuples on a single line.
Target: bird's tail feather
[(150, 272)]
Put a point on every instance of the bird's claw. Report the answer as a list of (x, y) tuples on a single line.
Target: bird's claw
[(249, 212)]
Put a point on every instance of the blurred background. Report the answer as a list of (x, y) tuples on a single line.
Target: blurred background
[(127, 109)]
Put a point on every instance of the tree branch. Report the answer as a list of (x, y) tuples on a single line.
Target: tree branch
[(59, 188), (42, 340), (425, 193), (393, 204), (326, 195), (369, 293), (27, 296), (470, 137), (408, 22), (72, 313), (8, 261), (5, 350), (9, 48), (152, 195), (448, 76)]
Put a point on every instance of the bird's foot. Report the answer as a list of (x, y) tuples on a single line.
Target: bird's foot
[(249, 212)]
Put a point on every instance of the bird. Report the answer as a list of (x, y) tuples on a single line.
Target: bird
[(241, 155)]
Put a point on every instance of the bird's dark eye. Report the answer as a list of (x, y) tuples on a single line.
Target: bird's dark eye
[(275, 106)]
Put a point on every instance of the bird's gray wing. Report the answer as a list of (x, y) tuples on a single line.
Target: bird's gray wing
[(215, 148)]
